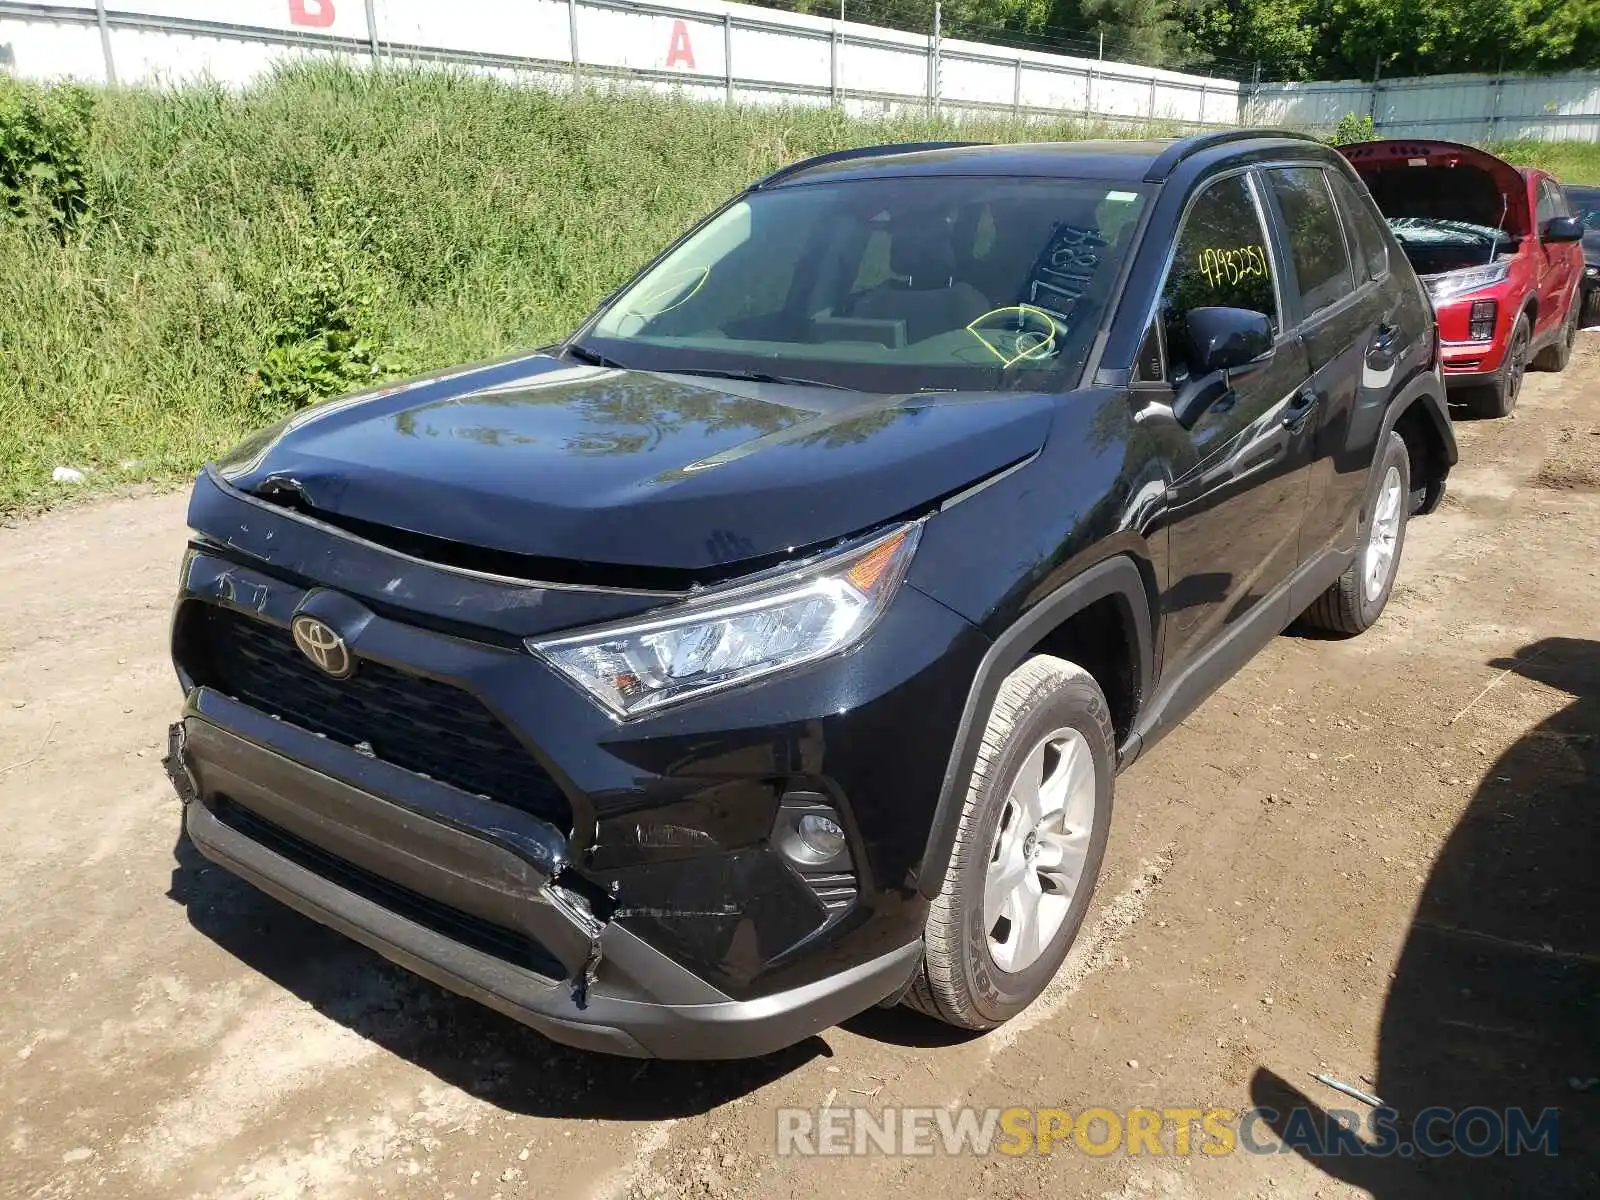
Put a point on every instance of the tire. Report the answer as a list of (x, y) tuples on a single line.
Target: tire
[(968, 979), (1352, 605), (1500, 397), (1558, 353)]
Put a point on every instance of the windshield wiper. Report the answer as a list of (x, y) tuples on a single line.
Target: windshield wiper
[(584, 354), (755, 377)]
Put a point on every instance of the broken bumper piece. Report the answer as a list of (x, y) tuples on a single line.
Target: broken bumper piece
[(469, 893)]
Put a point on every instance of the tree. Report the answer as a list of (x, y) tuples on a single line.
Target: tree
[(1276, 33), (1292, 39)]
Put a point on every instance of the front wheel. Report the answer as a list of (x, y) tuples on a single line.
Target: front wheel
[(1028, 849), (1357, 598)]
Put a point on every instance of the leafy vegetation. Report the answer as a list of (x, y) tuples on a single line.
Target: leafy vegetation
[(325, 337), (1352, 128), (42, 142), (1291, 39)]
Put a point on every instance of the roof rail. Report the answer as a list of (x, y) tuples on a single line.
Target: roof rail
[(1167, 161), (860, 152)]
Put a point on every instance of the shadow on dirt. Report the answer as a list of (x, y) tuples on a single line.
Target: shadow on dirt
[(458, 1041), (905, 1027), (1495, 1002)]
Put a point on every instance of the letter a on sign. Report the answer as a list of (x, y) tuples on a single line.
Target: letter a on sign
[(316, 13), (679, 52)]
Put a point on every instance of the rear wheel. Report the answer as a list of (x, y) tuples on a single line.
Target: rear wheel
[(1497, 399), (1357, 599), (1028, 850), (1558, 354)]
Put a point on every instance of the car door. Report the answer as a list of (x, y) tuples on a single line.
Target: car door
[(1239, 472), (1563, 261), (1355, 335), (1543, 208)]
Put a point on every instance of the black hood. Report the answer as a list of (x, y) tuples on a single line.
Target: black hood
[(669, 474)]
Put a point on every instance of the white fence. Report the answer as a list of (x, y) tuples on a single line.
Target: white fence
[(1455, 108), (706, 48)]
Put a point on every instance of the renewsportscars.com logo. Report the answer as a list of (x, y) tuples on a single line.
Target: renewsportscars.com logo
[(1097, 1131)]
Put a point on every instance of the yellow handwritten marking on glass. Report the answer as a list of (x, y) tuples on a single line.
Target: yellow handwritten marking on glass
[(1028, 344), (665, 290), (1231, 266)]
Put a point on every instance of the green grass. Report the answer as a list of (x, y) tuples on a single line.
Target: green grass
[(241, 252), (1570, 162)]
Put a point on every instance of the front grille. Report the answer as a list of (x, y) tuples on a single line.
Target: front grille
[(485, 936), (420, 724)]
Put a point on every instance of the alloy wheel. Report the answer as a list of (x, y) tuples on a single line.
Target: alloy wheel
[(1040, 849), (1519, 367), (1383, 537)]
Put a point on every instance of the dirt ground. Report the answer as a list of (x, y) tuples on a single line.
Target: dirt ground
[(1372, 858)]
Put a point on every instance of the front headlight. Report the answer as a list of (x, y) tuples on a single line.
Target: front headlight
[(736, 634), (1458, 283)]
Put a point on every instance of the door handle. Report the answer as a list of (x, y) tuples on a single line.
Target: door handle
[(1300, 409), (1381, 350)]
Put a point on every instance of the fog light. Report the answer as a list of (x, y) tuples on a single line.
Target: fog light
[(1481, 327), (809, 832), (821, 834)]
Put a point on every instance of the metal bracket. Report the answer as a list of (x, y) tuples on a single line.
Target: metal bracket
[(176, 764)]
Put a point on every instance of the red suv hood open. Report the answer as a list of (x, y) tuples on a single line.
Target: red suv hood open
[(1443, 180)]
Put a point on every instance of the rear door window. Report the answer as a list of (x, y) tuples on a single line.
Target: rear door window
[(1315, 236), (1372, 251)]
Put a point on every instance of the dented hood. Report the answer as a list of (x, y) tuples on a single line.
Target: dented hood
[(679, 475)]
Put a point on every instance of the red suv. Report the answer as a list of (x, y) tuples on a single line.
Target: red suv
[(1499, 251)]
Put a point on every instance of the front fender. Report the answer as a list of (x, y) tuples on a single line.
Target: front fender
[(1117, 577)]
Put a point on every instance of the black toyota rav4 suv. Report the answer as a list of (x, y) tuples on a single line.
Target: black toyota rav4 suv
[(767, 650)]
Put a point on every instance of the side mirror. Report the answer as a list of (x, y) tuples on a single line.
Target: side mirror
[(1225, 339), (1563, 229), (1219, 341)]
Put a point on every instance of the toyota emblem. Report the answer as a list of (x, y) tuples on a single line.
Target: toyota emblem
[(322, 646)]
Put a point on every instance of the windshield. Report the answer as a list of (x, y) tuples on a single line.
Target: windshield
[(892, 285)]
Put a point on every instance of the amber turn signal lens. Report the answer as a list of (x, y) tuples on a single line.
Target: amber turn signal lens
[(866, 573)]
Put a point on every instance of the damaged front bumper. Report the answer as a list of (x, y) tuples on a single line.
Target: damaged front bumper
[(474, 895), (454, 802)]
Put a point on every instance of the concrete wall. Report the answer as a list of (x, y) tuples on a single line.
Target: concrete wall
[(708, 49)]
